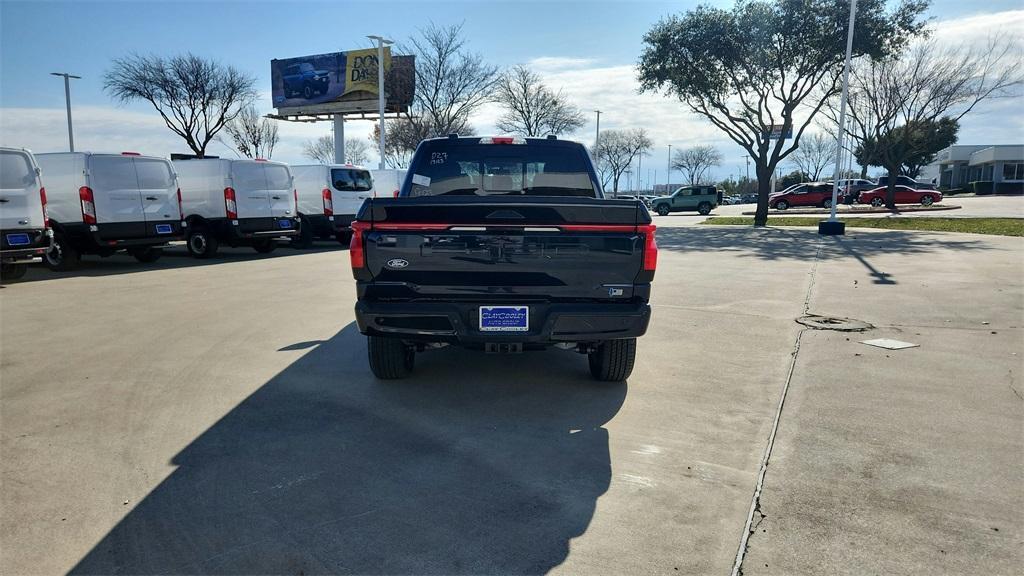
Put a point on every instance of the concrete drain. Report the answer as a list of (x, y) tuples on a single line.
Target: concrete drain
[(831, 323)]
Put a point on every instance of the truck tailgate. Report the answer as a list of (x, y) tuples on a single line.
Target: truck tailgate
[(504, 249)]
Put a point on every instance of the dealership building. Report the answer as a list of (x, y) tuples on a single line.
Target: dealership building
[(958, 166)]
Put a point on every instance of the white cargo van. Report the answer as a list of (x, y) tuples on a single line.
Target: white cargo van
[(24, 233), (236, 202), (387, 183), (102, 203), (329, 197)]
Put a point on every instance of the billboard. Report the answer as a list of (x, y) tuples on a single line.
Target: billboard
[(340, 82)]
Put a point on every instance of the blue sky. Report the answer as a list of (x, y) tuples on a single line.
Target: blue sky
[(574, 39)]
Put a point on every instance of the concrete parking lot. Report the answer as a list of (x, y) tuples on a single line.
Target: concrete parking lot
[(220, 417)]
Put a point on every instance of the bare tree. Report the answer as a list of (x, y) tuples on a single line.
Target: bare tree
[(695, 163), (760, 65), (254, 136), (402, 139), (903, 105), (195, 97), (451, 84), (815, 155), (531, 108), (616, 151), (321, 150)]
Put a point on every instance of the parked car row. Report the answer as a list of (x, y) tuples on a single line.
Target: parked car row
[(820, 194), (102, 203)]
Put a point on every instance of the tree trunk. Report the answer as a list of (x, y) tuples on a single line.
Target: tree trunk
[(764, 187), (890, 189), (863, 171)]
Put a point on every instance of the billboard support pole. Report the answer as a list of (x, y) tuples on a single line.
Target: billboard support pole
[(339, 139), (380, 91)]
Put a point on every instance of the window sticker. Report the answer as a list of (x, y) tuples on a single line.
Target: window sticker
[(421, 180)]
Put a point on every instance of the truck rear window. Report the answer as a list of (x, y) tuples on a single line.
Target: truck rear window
[(501, 169), (351, 180)]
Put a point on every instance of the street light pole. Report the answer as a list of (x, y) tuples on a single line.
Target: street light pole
[(832, 226), (381, 41), (668, 170), (597, 131), (67, 102)]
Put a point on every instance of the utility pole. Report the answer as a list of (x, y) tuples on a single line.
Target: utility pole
[(381, 41), (639, 174), (597, 131), (833, 227), (668, 170), (67, 101)]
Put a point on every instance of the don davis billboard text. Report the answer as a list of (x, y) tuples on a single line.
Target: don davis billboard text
[(310, 81)]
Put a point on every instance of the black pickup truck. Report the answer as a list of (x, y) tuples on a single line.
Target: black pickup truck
[(503, 244)]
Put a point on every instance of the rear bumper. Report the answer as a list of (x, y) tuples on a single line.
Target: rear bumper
[(253, 228), (39, 242), (330, 224), (458, 322)]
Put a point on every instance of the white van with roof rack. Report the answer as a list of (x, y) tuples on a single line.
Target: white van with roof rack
[(328, 198), (102, 203), (236, 202), (24, 232)]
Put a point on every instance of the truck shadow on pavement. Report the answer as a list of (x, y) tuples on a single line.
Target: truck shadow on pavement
[(469, 466), (775, 244)]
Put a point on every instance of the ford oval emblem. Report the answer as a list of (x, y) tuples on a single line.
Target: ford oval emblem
[(397, 263)]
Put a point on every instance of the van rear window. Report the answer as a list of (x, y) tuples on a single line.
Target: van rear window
[(501, 169), (278, 177), (153, 174), (112, 173), (15, 171), (351, 180)]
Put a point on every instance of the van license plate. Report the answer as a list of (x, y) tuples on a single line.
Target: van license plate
[(164, 229), (18, 239), (284, 224), (504, 318)]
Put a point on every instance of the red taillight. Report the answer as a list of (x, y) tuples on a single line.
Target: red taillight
[(650, 247), (295, 196), (181, 211), (88, 206), (328, 202), (502, 140), (42, 199), (356, 251), (229, 203), (394, 194)]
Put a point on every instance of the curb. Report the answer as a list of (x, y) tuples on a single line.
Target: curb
[(839, 213)]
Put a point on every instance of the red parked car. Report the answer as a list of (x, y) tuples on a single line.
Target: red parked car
[(806, 194), (904, 195)]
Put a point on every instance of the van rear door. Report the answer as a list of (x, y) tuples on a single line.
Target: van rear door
[(115, 189), (159, 194), (20, 203), (350, 187), (252, 198), (280, 190)]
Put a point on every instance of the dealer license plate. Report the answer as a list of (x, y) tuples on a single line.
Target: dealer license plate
[(504, 318)]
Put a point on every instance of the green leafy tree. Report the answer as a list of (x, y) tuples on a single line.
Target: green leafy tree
[(905, 149), (766, 63)]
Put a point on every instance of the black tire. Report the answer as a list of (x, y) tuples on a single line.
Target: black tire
[(612, 361), (146, 254), (827, 204), (264, 246), (62, 256), (12, 271), (704, 208), (781, 205), (876, 202), (307, 92), (201, 243), (662, 210), (927, 200), (304, 239), (390, 358)]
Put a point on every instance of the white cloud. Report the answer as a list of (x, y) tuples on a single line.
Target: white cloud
[(978, 27)]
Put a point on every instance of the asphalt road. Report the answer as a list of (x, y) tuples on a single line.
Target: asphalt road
[(220, 417)]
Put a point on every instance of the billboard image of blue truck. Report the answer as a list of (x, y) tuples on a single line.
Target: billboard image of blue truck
[(340, 82)]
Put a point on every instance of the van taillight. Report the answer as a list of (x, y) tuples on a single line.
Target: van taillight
[(88, 206), (356, 249), (328, 202), (42, 199), (229, 203), (650, 247), (181, 211), (295, 196), (394, 194)]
